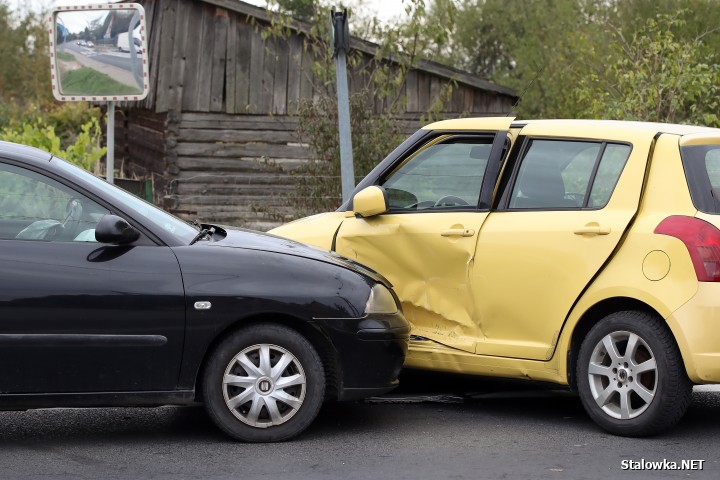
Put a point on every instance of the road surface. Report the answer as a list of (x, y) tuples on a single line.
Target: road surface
[(456, 428)]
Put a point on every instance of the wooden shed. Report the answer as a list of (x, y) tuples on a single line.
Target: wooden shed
[(216, 133)]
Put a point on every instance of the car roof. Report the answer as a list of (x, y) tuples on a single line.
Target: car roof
[(23, 153), (579, 128)]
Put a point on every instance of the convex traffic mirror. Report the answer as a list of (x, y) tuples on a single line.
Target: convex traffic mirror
[(99, 52)]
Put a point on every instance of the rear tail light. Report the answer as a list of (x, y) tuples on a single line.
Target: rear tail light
[(702, 240)]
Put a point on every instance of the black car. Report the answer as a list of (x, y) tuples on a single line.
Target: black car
[(106, 300)]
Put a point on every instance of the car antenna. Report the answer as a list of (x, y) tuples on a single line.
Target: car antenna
[(537, 75)]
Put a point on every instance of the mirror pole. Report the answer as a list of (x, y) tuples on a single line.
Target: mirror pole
[(341, 41), (110, 163)]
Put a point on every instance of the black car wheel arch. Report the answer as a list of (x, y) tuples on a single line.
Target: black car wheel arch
[(311, 332), (267, 410)]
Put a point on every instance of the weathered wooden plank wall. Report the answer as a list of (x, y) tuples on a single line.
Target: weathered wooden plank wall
[(209, 59), (141, 147), (236, 169), (222, 111)]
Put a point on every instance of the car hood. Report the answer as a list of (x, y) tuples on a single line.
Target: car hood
[(265, 242)]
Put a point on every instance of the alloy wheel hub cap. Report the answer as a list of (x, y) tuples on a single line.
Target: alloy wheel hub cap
[(264, 385), (623, 375)]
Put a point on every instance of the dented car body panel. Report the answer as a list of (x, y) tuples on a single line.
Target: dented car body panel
[(509, 286), (436, 292)]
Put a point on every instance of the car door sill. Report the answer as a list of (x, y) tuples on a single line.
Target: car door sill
[(80, 340), (25, 401)]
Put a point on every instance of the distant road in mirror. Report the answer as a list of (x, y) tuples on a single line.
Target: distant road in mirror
[(108, 56)]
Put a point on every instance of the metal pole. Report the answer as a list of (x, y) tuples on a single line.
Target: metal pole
[(347, 171), (110, 163)]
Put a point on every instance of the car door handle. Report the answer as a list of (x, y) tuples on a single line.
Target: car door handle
[(458, 232), (592, 230)]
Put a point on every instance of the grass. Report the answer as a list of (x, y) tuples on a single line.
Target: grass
[(86, 81), (65, 57)]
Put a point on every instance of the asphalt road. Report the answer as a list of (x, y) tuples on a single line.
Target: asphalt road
[(434, 427), (105, 55)]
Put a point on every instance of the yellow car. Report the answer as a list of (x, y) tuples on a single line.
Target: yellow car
[(585, 253)]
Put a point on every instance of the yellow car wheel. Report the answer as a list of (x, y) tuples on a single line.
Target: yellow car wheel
[(631, 377)]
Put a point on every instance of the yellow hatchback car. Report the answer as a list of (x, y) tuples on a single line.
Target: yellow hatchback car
[(585, 253)]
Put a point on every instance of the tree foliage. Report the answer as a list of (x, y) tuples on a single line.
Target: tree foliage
[(655, 76), (24, 72), (591, 58), (302, 9), (28, 112), (534, 46), (84, 150)]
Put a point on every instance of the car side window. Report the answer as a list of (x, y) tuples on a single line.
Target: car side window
[(712, 166), (702, 172), (35, 207), (608, 172), (567, 174), (443, 176)]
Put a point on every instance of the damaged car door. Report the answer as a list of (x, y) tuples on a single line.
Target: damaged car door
[(437, 199)]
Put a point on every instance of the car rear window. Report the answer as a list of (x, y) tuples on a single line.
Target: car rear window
[(702, 170)]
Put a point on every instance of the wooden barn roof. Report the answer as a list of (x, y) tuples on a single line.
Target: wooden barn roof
[(370, 48)]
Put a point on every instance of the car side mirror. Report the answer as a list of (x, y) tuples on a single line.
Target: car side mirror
[(370, 201), (113, 229)]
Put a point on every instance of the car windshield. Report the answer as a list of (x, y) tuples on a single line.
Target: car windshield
[(148, 211)]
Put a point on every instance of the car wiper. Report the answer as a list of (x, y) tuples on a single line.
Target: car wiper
[(202, 234)]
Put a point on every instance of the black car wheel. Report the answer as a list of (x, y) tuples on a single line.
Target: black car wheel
[(264, 383), (630, 375)]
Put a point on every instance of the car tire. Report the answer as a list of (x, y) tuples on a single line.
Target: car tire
[(630, 375), (263, 383)]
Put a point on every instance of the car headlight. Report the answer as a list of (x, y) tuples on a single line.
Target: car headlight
[(381, 301)]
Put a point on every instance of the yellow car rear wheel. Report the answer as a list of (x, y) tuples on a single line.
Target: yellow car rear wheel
[(631, 377)]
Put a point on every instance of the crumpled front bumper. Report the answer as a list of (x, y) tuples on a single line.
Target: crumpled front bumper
[(371, 352)]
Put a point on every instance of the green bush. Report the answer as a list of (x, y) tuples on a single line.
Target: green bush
[(83, 150)]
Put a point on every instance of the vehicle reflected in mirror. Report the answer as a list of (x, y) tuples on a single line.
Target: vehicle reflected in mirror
[(99, 53)]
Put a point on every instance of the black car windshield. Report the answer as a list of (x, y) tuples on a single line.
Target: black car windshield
[(179, 228)]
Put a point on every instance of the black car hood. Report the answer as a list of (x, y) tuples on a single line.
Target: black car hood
[(252, 240)]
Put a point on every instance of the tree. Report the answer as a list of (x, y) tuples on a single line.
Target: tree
[(28, 112), (545, 49), (656, 77), (302, 9), (25, 72), (534, 46)]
